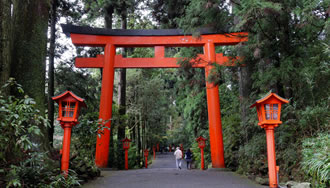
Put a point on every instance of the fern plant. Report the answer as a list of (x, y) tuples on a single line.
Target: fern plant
[(316, 159)]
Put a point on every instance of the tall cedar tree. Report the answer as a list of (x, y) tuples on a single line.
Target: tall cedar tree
[(51, 52), (30, 22), (5, 40)]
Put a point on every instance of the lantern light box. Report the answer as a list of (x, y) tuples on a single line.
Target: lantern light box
[(69, 106), (201, 142), (126, 142), (269, 109)]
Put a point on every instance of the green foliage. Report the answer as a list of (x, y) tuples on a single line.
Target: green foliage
[(60, 181), (196, 155), (84, 145), (132, 157), (165, 11), (38, 171), (84, 135), (19, 122), (205, 14), (97, 9), (316, 159), (22, 163)]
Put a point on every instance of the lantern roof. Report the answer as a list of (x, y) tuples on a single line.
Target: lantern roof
[(200, 138), (70, 93), (268, 96), (126, 140)]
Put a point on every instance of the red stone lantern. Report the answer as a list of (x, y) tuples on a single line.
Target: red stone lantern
[(126, 146), (69, 109), (201, 144), (146, 153), (181, 148), (154, 151), (269, 113)]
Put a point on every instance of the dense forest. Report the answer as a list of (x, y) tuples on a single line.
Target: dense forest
[(287, 52)]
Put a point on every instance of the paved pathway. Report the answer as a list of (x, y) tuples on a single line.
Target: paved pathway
[(163, 174)]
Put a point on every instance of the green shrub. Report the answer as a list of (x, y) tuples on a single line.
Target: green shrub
[(59, 181), (316, 159), (132, 157), (19, 122)]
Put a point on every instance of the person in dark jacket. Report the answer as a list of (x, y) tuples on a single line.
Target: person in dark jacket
[(188, 157)]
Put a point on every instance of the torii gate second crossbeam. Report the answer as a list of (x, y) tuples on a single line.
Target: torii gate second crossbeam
[(159, 39)]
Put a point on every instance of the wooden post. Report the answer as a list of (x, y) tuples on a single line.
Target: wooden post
[(271, 156), (202, 159), (126, 159), (102, 143), (66, 148), (214, 114), (146, 161), (154, 151)]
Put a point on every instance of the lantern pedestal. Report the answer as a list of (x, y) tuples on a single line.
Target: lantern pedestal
[(146, 153), (202, 159), (181, 148), (146, 161), (154, 152), (126, 159), (271, 156), (67, 126)]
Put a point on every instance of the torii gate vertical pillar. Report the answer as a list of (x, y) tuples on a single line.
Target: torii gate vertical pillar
[(102, 143), (214, 114)]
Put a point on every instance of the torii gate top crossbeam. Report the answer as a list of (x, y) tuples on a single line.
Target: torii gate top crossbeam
[(88, 36), (159, 39)]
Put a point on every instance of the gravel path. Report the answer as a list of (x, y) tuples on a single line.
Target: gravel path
[(163, 174)]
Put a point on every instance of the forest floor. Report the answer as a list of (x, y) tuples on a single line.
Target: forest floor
[(163, 174)]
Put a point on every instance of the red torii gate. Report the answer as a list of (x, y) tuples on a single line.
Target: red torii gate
[(159, 39)]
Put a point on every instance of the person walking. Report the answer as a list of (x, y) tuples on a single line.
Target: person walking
[(188, 157), (178, 157)]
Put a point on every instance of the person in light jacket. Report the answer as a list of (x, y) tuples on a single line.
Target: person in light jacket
[(178, 157)]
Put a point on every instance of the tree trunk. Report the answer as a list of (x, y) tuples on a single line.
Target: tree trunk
[(139, 145), (5, 41), (29, 52), (122, 94), (245, 84), (141, 137), (108, 16), (51, 72), (144, 141), (137, 139)]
